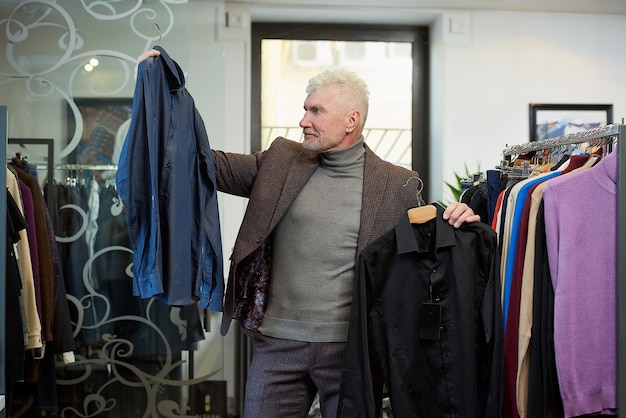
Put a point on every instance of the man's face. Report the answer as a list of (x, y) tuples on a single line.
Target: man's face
[(325, 120)]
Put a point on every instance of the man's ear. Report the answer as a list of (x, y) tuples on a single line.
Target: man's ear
[(353, 120)]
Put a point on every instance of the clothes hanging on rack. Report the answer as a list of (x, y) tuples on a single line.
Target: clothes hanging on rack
[(43, 305), (44, 254), (14, 356), (28, 299), (97, 236), (512, 271), (93, 274), (558, 236), (582, 260)]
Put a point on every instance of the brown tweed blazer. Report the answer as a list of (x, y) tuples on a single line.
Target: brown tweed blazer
[(271, 180)]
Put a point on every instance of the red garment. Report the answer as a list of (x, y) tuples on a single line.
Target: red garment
[(494, 222)]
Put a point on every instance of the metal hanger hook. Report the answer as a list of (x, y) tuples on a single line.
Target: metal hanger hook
[(156, 25), (421, 187)]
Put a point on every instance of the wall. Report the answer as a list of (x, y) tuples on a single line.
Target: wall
[(483, 74), (514, 59)]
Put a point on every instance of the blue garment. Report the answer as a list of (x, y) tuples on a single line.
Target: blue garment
[(166, 181), (494, 186), (522, 195)]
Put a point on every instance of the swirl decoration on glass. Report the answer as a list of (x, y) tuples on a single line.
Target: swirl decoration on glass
[(66, 72)]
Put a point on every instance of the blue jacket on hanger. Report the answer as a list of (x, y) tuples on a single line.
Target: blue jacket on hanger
[(166, 180)]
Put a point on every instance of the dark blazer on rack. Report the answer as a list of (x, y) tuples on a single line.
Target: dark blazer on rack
[(272, 180)]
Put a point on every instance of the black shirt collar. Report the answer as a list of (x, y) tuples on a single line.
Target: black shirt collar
[(406, 238)]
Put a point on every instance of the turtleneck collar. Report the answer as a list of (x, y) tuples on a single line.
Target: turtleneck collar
[(344, 157)]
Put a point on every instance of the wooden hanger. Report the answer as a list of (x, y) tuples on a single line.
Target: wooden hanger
[(422, 214)]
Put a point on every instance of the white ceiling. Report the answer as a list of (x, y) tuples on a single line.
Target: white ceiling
[(567, 6)]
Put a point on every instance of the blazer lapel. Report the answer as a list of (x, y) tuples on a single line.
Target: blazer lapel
[(299, 173), (374, 184)]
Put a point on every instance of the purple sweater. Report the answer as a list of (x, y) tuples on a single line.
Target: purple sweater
[(581, 235)]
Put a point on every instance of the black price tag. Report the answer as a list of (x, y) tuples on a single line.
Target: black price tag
[(430, 324)]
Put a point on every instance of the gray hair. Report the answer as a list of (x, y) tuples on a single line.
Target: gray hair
[(348, 81)]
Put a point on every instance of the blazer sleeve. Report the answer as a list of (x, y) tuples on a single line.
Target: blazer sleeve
[(235, 173)]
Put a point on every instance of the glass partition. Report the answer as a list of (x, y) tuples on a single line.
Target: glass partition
[(66, 74)]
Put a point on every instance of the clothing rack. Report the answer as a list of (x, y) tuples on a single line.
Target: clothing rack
[(618, 131), (95, 167), (570, 139)]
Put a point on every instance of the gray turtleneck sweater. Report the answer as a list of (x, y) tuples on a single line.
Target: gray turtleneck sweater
[(315, 252)]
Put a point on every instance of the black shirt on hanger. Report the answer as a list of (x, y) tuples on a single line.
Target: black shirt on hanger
[(433, 366)]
